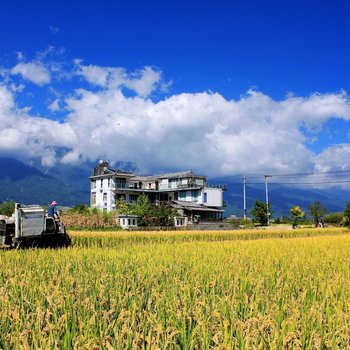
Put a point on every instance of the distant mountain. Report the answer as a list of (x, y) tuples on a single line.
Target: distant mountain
[(14, 170), (25, 184), (281, 197), (69, 185)]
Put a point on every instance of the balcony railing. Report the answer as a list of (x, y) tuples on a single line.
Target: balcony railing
[(221, 186), (169, 186), (179, 186)]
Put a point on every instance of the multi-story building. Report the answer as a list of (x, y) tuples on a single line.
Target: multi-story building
[(189, 193)]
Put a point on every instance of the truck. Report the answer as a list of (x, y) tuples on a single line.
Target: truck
[(30, 227)]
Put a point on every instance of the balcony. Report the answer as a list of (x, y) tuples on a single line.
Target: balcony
[(220, 186), (169, 187), (180, 186)]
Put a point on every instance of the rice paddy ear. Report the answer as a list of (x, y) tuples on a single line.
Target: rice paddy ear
[(188, 289)]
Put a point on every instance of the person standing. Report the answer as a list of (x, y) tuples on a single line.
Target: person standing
[(52, 211)]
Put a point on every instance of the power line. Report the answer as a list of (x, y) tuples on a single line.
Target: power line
[(300, 174), (294, 183)]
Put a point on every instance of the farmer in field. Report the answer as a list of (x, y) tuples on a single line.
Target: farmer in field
[(52, 211)]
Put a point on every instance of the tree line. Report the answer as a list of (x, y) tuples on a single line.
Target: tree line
[(319, 214), (163, 215)]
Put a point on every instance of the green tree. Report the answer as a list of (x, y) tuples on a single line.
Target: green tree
[(347, 215), (334, 218), (317, 211), (296, 214), (7, 208), (80, 209), (259, 212), (141, 208), (161, 215), (122, 206)]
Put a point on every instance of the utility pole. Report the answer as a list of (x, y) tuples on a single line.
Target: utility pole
[(244, 200), (267, 199)]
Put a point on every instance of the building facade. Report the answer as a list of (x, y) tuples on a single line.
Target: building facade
[(189, 193)]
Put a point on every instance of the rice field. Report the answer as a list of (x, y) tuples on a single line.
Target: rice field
[(180, 290)]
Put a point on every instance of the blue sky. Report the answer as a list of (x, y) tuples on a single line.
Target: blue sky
[(211, 83)]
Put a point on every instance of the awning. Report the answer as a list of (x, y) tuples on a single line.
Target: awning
[(193, 206)]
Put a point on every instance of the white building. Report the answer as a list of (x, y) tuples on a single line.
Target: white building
[(189, 193)]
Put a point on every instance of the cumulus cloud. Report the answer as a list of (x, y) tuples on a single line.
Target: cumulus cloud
[(33, 71), (54, 106), (333, 158), (25, 136), (200, 131), (143, 82)]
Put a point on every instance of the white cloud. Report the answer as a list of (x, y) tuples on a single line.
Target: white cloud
[(143, 82), (333, 158), (203, 131), (54, 106), (25, 136), (33, 71)]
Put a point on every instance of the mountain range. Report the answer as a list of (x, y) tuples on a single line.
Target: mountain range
[(26, 184), (69, 185)]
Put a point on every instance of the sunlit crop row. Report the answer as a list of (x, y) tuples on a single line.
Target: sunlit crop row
[(115, 239), (233, 294)]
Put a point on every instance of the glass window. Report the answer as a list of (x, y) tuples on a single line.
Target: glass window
[(133, 197), (93, 198), (120, 183), (205, 197)]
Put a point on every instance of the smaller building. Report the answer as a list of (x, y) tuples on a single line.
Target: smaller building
[(180, 221), (127, 221)]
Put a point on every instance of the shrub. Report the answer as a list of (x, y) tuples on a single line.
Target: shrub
[(334, 218), (7, 208)]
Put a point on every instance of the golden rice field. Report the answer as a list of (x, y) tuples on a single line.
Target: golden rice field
[(180, 290)]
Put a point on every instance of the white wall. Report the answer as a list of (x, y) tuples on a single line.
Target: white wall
[(214, 197), (164, 184), (103, 187)]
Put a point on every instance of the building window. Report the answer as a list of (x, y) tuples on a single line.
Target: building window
[(205, 197), (93, 198), (105, 197), (109, 182), (120, 183), (182, 195), (199, 182), (133, 198), (119, 197), (93, 184)]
